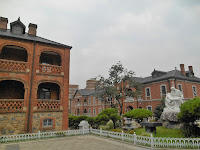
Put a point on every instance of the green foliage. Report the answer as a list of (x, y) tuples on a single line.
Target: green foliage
[(75, 120), (162, 132), (94, 122), (189, 113), (159, 109), (117, 75), (138, 114), (108, 114)]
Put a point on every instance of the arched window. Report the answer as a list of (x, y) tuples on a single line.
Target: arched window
[(11, 89), (50, 58), (16, 53), (149, 107), (48, 91)]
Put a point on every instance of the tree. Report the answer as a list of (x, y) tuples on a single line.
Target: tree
[(189, 113), (109, 114), (159, 109), (113, 87), (138, 114), (74, 121)]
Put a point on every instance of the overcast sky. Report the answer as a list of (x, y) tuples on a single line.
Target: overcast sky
[(142, 34)]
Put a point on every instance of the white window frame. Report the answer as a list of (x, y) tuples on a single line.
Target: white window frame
[(94, 111), (161, 94), (149, 92), (89, 101), (89, 111), (194, 91), (47, 123), (99, 110), (150, 107)]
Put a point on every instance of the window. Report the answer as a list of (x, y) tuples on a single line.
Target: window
[(93, 100), (89, 100), (99, 110), (163, 90), (78, 112), (94, 111), (85, 111), (194, 90), (47, 123), (45, 93), (148, 92), (85, 102), (180, 87), (149, 107), (89, 111), (99, 101)]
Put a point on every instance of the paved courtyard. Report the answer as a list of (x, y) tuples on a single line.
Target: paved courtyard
[(87, 142)]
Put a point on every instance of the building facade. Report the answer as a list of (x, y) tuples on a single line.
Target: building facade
[(86, 102), (34, 80), (154, 88)]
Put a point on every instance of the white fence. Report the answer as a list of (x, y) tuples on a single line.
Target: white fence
[(133, 138)]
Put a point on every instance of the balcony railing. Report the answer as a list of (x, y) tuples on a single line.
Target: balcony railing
[(48, 104), (49, 69), (11, 65), (11, 105)]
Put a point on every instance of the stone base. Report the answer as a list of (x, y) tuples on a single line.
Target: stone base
[(169, 116), (172, 125)]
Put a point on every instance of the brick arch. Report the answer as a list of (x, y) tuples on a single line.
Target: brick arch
[(50, 81), (51, 50), (14, 79), (15, 44)]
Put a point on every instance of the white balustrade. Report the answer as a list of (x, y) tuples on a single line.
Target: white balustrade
[(133, 138)]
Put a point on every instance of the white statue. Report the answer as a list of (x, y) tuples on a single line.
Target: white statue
[(173, 100)]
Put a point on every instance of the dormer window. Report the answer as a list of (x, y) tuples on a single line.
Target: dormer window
[(17, 27), (17, 30)]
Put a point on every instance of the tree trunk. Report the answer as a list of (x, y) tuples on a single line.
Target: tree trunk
[(114, 124)]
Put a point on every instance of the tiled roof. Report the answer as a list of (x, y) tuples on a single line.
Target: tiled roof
[(85, 92), (170, 74), (28, 37)]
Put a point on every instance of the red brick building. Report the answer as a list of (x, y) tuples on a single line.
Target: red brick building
[(85, 101), (154, 88), (34, 80), (159, 83)]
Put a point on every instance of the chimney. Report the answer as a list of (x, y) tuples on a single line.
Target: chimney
[(90, 84), (32, 29), (190, 68), (182, 69), (3, 23)]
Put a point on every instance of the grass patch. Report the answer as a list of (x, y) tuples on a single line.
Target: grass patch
[(163, 132)]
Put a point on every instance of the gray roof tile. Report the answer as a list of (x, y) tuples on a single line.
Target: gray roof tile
[(28, 37)]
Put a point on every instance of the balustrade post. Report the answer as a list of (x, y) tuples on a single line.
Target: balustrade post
[(100, 131), (39, 134), (152, 144), (135, 138), (122, 135), (90, 129)]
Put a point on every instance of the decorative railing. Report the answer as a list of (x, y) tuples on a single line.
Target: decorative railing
[(49, 69), (11, 105), (132, 138), (48, 104), (11, 65)]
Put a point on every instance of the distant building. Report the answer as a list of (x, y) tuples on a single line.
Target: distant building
[(34, 80), (154, 88), (85, 101), (159, 83)]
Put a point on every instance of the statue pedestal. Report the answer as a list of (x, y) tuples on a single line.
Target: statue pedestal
[(170, 120)]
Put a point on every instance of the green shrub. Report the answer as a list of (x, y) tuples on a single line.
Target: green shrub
[(189, 113), (116, 130)]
